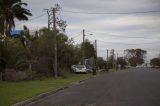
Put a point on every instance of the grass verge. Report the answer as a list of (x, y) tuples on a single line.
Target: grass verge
[(13, 92)]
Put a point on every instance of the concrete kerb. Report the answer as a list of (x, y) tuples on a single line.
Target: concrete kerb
[(36, 98)]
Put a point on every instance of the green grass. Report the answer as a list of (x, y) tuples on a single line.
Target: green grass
[(13, 92)]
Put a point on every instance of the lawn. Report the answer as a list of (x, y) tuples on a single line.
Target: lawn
[(12, 92)]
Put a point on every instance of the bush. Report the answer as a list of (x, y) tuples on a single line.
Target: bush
[(63, 72), (155, 62), (13, 75), (41, 67)]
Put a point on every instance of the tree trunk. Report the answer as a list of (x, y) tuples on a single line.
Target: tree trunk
[(30, 70)]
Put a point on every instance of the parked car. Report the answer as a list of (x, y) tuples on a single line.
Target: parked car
[(127, 66), (73, 67), (139, 66), (79, 68)]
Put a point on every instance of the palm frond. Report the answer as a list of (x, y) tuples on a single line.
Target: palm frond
[(11, 9)]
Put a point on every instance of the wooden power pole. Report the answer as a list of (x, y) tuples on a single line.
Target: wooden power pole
[(94, 70), (83, 61), (55, 43), (107, 61), (107, 55), (52, 26)]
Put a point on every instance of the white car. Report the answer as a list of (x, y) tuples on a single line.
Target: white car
[(79, 68), (139, 66)]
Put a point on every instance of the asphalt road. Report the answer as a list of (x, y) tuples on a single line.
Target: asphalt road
[(134, 87)]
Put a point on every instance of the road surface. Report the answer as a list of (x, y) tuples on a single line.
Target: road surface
[(133, 87)]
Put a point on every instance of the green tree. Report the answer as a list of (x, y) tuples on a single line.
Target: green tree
[(135, 56), (14, 53), (101, 63), (155, 62), (121, 61), (88, 48), (9, 10), (43, 47)]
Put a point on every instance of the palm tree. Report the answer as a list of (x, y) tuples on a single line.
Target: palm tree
[(9, 10)]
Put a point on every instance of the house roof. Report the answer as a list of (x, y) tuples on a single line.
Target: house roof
[(16, 33)]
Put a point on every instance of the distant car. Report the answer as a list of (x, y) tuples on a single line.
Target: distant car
[(79, 68), (139, 66), (127, 66)]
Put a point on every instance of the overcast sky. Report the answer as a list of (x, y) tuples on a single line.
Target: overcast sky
[(134, 29)]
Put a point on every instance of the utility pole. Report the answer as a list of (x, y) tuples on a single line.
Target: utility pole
[(107, 54), (54, 18), (107, 60), (83, 36), (117, 65), (84, 45), (83, 61), (94, 70), (113, 53), (113, 59), (96, 47), (49, 18), (55, 42), (52, 26)]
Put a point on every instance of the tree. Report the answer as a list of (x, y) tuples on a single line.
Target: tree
[(43, 45), (101, 63), (132, 61), (158, 55), (121, 61), (9, 10), (88, 48), (155, 62), (135, 56), (77, 58), (2, 60), (42, 48)]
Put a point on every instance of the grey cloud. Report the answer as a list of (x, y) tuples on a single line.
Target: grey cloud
[(145, 25), (113, 5)]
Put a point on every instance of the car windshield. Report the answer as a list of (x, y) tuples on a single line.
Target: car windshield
[(80, 66)]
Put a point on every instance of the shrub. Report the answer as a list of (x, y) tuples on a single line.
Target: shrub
[(63, 72), (13, 75)]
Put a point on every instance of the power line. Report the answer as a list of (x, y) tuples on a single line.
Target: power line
[(140, 12), (39, 16), (125, 43), (77, 34), (113, 35)]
